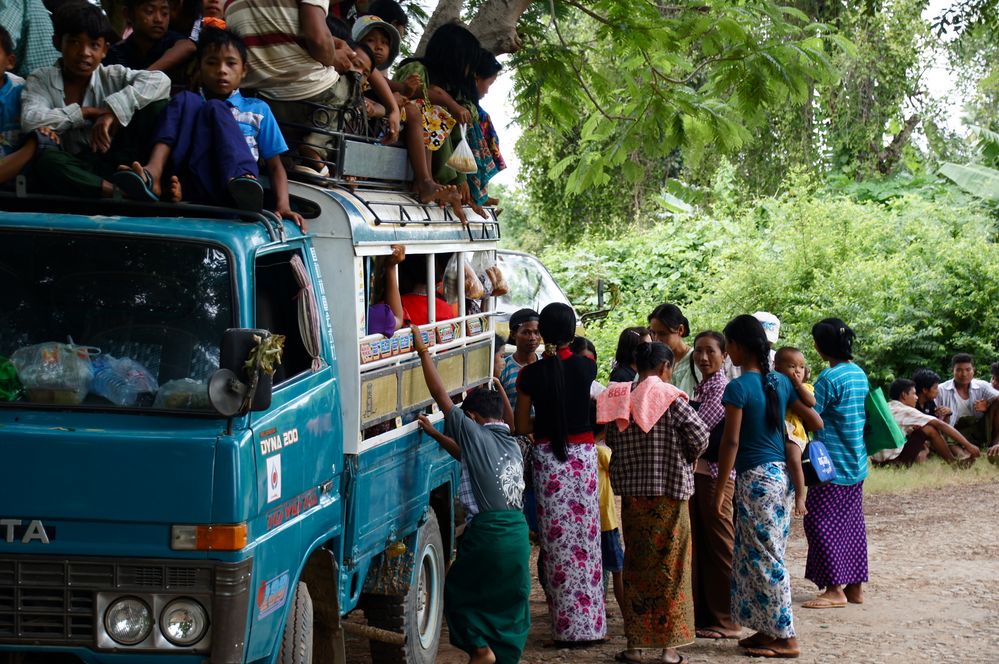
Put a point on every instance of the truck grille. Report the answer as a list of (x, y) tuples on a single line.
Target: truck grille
[(51, 601)]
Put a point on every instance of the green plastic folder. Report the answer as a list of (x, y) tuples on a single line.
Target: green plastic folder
[(881, 432)]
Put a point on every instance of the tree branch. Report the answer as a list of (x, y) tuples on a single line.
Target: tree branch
[(446, 12)]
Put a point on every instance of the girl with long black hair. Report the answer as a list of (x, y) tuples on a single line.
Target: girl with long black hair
[(753, 443), (564, 463)]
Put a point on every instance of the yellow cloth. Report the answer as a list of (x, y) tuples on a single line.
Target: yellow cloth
[(797, 429), (608, 515)]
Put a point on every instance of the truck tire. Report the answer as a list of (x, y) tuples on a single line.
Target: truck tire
[(419, 613), (296, 644)]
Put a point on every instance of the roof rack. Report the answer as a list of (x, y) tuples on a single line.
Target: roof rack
[(401, 210), (21, 201)]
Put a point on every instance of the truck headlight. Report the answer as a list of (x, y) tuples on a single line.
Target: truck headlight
[(183, 622), (128, 621)]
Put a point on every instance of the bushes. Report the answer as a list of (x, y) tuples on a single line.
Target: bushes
[(915, 278)]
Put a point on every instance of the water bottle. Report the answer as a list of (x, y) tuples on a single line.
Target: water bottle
[(110, 383)]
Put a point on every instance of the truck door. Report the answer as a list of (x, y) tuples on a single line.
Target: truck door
[(298, 441)]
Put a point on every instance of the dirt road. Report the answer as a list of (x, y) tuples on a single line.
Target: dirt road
[(933, 595)]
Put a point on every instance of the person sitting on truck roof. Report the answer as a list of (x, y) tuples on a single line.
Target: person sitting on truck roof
[(487, 590), (446, 80), (482, 136), (213, 140), (294, 58), (391, 12), (104, 114), (152, 45), (16, 150)]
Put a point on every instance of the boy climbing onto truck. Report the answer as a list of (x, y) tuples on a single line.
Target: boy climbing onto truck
[(487, 591)]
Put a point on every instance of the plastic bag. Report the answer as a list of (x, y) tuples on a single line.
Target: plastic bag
[(10, 386), (54, 372), (121, 381), (462, 159), (183, 394)]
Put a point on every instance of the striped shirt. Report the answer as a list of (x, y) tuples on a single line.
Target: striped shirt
[(840, 392), (278, 63), (508, 377)]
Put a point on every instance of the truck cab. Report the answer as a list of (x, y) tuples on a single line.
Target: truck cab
[(226, 515)]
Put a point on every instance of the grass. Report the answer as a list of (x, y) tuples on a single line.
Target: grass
[(930, 475)]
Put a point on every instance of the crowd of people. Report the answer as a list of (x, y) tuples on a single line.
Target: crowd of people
[(706, 445), (195, 97)]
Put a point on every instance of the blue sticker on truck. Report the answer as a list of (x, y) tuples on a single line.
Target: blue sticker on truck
[(272, 595)]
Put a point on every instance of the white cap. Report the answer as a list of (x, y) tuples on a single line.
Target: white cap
[(770, 323)]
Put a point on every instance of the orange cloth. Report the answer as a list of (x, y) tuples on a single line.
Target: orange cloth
[(645, 404)]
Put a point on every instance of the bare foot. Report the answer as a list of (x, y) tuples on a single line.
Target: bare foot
[(452, 197), (427, 191), (176, 192), (482, 656), (854, 593)]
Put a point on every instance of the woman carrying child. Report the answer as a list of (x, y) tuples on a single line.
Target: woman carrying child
[(713, 533), (834, 525), (564, 462), (753, 443), (656, 436)]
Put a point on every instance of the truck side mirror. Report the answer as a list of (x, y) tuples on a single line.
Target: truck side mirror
[(232, 390)]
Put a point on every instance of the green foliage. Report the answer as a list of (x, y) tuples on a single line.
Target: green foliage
[(913, 276)]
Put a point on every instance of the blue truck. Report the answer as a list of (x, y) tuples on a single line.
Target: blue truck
[(226, 515)]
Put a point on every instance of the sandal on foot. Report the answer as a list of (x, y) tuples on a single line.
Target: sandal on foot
[(757, 640), (773, 653), (247, 193), (712, 633), (822, 603), (134, 186)]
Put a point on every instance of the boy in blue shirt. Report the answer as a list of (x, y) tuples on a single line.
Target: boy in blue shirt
[(210, 143), (13, 155)]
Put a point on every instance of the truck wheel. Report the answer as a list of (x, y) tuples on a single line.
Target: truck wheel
[(296, 644), (418, 614)]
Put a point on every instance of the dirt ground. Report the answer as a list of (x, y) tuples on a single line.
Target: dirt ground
[(933, 594)]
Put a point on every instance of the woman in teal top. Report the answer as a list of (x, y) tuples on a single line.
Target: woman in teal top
[(753, 442), (834, 525)]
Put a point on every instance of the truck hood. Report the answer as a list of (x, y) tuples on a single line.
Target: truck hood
[(104, 472)]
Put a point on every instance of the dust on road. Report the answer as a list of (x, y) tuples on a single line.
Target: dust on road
[(933, 595)]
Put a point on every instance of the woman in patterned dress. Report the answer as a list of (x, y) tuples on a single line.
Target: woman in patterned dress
[(753, 443), (564, 462)]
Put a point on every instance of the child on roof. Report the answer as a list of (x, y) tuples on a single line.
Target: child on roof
[(16, 150), (103, 114), (213, 141), (152, 45)]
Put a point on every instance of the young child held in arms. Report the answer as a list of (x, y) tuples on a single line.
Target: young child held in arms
[(212, 141), (104, 114), (488, 588), (15, 150), (791, 362)]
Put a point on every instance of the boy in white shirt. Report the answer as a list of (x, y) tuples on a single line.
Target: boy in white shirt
[(922, 432)]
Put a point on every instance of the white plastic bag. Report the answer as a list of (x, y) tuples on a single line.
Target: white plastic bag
[(462, 159), (54, 372)]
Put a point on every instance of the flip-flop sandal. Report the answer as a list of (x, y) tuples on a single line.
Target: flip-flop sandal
[(135, 186), (755, 641), (247, 193), (823, 603), (773, 653), (712, 634)]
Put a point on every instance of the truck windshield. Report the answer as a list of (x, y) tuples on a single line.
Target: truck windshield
[(530, 284), (111, 320)]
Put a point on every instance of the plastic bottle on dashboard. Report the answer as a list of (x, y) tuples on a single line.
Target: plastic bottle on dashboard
[(110, 383)]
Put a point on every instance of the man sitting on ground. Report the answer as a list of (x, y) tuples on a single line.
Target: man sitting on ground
[(921, 431), (972, 402)]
